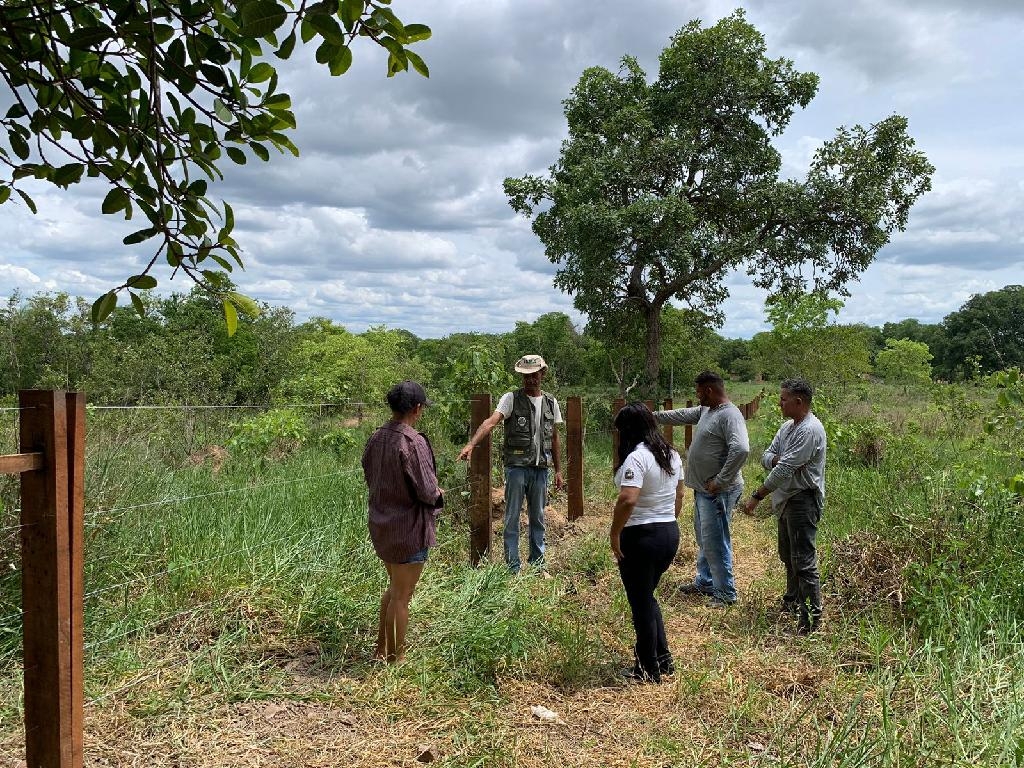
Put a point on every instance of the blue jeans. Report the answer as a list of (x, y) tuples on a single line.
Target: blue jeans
[(712, 518), (531, 484)]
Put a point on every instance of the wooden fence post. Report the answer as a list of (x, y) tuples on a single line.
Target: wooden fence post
[(479, 483), (76, 540), (617, 405), (688, 432), (667, 429), (574, 454), (47, 594)]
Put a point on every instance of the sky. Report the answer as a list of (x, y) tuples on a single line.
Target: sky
[(394, 212)]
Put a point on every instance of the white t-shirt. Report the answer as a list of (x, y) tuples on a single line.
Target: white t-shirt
[(505, 407), (657, 502)]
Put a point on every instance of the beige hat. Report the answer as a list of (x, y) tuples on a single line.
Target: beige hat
[(530, 364)]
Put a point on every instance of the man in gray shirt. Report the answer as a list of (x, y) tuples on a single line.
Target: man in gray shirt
[(795, 461), (713, 470)]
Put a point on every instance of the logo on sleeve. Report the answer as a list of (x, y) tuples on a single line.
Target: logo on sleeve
[(628, 474)]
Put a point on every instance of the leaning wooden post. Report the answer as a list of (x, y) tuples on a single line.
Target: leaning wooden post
[(479, 483), (688, 432), (76, 538), (574, 454), (667, 429), (617, 405), (46, 583)]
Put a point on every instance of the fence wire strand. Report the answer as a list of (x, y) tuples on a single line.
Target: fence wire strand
[(179, 499)]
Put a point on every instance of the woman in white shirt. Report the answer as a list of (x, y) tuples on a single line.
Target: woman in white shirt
[(644, 534)]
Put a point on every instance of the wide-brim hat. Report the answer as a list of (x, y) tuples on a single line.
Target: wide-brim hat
[(530, 364)]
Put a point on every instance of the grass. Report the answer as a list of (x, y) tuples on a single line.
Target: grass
[(237, 624)]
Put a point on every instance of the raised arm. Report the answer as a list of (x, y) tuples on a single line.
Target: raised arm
[(482, 431)]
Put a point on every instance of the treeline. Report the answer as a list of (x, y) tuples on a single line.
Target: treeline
[(179, 351)]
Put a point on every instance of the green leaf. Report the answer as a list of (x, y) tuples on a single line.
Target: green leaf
[(222, 111), (417, 63), (229, 217), (262, 17), (103, 306), (328, 28), (141, 282), (116, 200), (279, 102), (260, 72), (351, 12), (5, 193), (237, 155), (260, 151), (18, 144), (27, 200), (341, 61), (414, 33), (140, 308), (140, 236), (230, 317), (249, 307), (326, 52), (285, 51), (69, 174), (87, 38)]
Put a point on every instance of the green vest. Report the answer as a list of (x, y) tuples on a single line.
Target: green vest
[(519, 450)]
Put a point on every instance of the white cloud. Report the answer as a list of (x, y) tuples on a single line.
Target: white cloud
[(395, 214)]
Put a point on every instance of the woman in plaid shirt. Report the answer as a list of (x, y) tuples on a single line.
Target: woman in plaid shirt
[(404, 500)]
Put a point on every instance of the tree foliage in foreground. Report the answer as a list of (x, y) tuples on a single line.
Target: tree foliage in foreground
[(663, 188), (150, 96)]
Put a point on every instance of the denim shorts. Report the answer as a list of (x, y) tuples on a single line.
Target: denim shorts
[(417, 557)]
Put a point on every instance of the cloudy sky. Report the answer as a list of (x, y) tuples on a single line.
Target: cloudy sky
[(394, 213)]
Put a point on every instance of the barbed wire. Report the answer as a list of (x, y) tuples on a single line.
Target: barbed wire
[(179, 499), (190, 563), (265, 406)]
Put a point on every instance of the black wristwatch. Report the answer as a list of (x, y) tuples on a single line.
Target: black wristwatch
[(756, 495)]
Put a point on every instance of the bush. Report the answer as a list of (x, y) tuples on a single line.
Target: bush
[(275, 434)]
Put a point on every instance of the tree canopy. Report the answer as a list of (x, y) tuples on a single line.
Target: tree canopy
[(904, 361), (662, 189), (986, 334), (149, 96)]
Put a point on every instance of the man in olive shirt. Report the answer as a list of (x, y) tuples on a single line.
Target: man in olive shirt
[(714, 463), (795, 461)]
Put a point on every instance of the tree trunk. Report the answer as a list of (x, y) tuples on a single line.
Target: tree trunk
[(652, 361)]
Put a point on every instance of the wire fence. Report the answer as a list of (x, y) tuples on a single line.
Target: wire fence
[(149, 567)]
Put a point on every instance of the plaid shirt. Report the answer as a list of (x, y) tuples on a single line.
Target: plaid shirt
[(404, 498)]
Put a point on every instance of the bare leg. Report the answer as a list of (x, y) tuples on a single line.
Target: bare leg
[(396, 620), (385, 600)]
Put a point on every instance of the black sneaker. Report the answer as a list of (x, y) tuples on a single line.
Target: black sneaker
[(693, 589), (666, 667), (788, 607), (635, 674)]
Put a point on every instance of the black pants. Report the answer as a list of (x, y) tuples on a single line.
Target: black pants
[(798, 534), (647, 552)]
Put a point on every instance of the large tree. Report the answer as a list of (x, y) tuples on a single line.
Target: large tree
[(662, 188), (986, 334), (148, 95)]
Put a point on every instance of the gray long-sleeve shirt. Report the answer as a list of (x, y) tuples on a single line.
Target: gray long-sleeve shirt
[(800, 449), (720, 444)]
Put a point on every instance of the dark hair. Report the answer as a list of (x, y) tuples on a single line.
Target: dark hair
[(799, 387), (710, 379), (636, 425), (405, 396)]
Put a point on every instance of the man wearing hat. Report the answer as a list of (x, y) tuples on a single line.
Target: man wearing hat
[(529, 450)]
